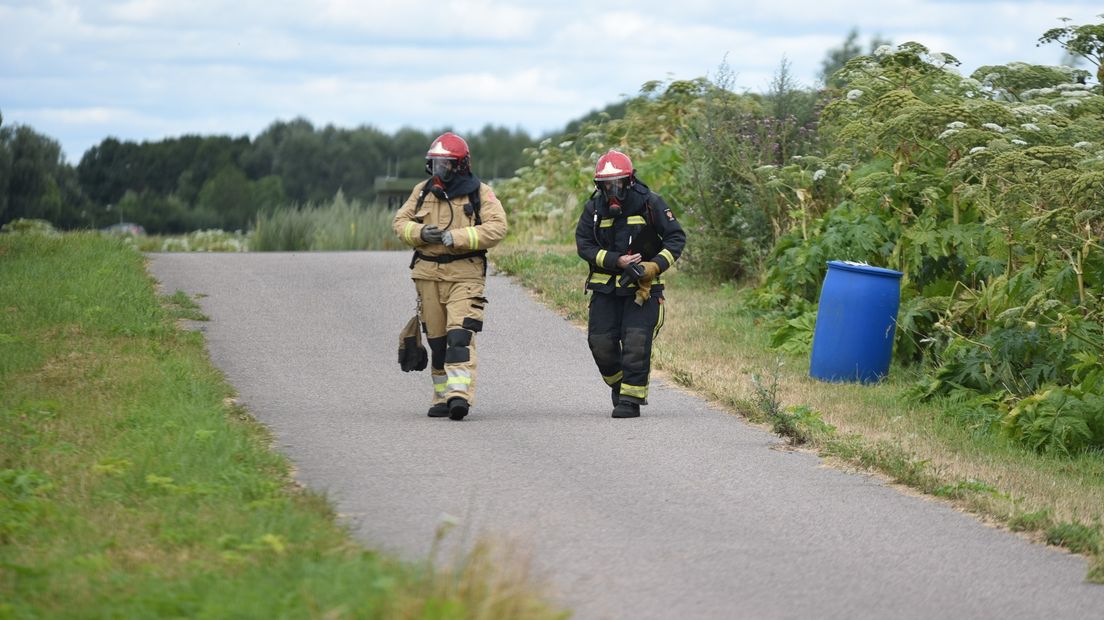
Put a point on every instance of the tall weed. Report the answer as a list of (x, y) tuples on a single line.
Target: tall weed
[(740, 181), (338, 225)]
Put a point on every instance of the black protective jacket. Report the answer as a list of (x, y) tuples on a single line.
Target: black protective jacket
[(645, 226)]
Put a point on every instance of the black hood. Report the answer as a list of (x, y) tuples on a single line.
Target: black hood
[(460, 185)]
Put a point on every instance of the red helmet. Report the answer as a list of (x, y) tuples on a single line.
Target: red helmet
[(613, 165), (448, 156), (613, 175), (448, 146)]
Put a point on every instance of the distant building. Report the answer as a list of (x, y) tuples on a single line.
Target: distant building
[(393, 191)]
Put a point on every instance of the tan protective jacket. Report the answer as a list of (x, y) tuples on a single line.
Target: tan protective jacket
[(466, 235)]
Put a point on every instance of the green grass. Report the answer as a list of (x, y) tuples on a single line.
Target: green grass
[(132, 485), (711, 345), (1030, 521), (1077, 537)]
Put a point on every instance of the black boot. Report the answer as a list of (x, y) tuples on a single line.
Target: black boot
[(615, 393), (458, 408), (439, 410), (626, 409)]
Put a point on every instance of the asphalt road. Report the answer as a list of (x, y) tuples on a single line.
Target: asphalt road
[(683, 513)]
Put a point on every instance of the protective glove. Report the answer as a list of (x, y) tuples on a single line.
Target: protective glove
[(412, 355), (431, 234), (630, 275), (447, 238), (644, 284)]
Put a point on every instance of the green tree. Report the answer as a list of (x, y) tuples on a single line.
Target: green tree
[(1085, 41), (298, 160), (267, 193), (105, 170), (5, 168), (288, 161), (497, 151), (160, 214), (793, 108), (229, 194), (407, 151), (34, 179)]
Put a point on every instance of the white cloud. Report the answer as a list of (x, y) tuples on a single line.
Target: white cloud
[(455, 20), (81, 116)]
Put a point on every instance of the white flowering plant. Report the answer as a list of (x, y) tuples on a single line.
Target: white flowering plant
[(989, 186)]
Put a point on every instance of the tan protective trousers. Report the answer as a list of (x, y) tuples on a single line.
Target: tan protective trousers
[(452, 313)]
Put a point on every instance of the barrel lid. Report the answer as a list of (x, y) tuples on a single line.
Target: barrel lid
[(848, 265)]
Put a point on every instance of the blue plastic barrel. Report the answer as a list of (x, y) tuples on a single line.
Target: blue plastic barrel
[(856, 317)]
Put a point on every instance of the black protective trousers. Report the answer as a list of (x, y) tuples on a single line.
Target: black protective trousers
[(620, 334)]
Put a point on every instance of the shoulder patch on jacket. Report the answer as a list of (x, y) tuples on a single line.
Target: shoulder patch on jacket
[(670, 216)]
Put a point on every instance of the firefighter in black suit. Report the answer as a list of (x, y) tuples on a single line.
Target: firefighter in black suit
[(629, 237)]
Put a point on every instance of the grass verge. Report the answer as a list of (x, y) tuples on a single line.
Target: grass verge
[(710, 345), (131, 485)]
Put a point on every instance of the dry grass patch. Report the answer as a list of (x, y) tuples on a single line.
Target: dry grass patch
[(493, 579)]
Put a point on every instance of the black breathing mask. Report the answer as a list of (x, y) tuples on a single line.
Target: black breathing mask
[(612, 189), (614, 206)]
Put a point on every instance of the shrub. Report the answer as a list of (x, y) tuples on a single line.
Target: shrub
[(29, 226)]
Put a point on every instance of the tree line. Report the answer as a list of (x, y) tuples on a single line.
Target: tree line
[(195, 182)]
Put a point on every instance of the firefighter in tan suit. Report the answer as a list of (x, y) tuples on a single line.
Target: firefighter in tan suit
[(450, 220)]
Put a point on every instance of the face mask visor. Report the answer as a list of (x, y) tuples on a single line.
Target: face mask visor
[(612, 188), (442, 168)]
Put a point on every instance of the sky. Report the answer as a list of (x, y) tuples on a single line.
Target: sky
[(81, 71)]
